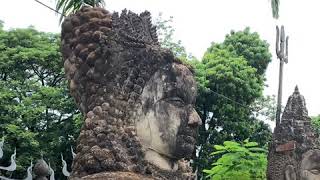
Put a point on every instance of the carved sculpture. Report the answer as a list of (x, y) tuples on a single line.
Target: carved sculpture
[(65, 171), (41, 169), (1, 147), (294, 153), (137, 98), (72, 153), (29, 174), (13, 165), (51, 173)]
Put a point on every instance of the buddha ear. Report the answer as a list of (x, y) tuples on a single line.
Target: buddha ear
[(289, 173)]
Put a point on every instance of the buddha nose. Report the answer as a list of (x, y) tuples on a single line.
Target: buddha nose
[(194, 119)]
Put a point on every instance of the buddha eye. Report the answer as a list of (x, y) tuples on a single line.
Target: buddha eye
[(176, 101), (315, 171)]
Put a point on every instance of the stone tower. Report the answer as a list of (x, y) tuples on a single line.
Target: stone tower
[(294, 153)]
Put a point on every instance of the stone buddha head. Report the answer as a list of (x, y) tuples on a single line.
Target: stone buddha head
[(166, 121), (137, 98), (310, 165)]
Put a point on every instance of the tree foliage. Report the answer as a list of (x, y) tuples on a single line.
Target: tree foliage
[(37, 115), (250, 46), (265, 107), (315, 122), (230, 82), (245, 161)]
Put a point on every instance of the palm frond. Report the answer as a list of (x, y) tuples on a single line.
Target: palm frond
[(275, 8), (71, 6)]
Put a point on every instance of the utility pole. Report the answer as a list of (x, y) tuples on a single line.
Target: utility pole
[(282, 55)]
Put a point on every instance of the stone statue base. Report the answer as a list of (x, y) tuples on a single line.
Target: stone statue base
[(156, 175), (115, 176)]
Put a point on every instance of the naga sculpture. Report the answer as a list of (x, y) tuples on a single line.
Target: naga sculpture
[(294, 153), (13, 165), (137, 98)]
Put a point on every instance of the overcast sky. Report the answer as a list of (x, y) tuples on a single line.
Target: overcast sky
[(200, 22)]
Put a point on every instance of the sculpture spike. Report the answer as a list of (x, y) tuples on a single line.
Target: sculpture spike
[(277, 42), (41, 154), (13, 165), (1, 147), (282, 34), (51, 173), (29, 172), (65, 171), (72, 152), (296, 90), (4, 178), (286, 53), (282, 40)]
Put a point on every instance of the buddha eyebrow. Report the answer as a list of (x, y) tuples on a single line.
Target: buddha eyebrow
[(179, 93), (182, 91)]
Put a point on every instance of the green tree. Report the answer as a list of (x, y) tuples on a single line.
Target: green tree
[(230, 88), (265, 107), (315, 122), (37, 115), (250, 46), (245, 161)]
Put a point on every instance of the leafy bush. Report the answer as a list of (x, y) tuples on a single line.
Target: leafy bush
[(315, 121), (243, 161)]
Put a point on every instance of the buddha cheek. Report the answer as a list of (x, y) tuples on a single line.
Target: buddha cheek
[(306, 175), (169, 126)]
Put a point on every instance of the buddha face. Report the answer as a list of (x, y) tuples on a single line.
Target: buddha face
[(310, 165), (166, 122)]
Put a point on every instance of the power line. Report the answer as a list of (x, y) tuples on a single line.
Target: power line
[(245, 106), (229, 99), (50, 8)]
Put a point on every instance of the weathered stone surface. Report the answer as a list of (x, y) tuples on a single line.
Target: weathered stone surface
[(137, 99), (289, 146), (294, 151), (117, 176), (131, 176), (41, 170)]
